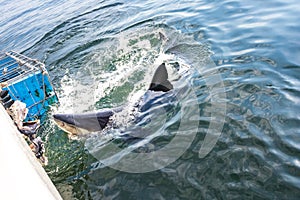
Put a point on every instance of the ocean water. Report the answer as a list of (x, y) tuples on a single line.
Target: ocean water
[(235, 68)]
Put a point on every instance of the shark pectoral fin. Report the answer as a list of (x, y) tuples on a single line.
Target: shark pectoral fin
[(160, 80)]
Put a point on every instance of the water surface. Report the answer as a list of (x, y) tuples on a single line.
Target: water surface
[(101, 54)]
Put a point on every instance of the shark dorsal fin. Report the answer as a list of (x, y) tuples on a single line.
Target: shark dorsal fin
[(160, 80)]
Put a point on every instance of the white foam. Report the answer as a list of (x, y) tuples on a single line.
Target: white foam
[(132, 53)]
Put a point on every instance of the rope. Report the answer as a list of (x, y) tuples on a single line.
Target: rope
[(44, 92), (12, 92), (34, 116)]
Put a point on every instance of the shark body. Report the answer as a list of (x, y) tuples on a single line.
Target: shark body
[(76, 124)]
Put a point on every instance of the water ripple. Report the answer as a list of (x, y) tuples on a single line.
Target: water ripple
[(100, 53)]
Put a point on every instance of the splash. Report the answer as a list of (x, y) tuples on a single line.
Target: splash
[(120, 71), (174, 122)]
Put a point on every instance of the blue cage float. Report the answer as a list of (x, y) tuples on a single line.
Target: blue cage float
[(26, 93)]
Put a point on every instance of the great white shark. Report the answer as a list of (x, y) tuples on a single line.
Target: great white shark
[(76, 124)]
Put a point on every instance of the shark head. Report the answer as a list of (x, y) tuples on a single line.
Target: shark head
[(62, 123), (77, 124)]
